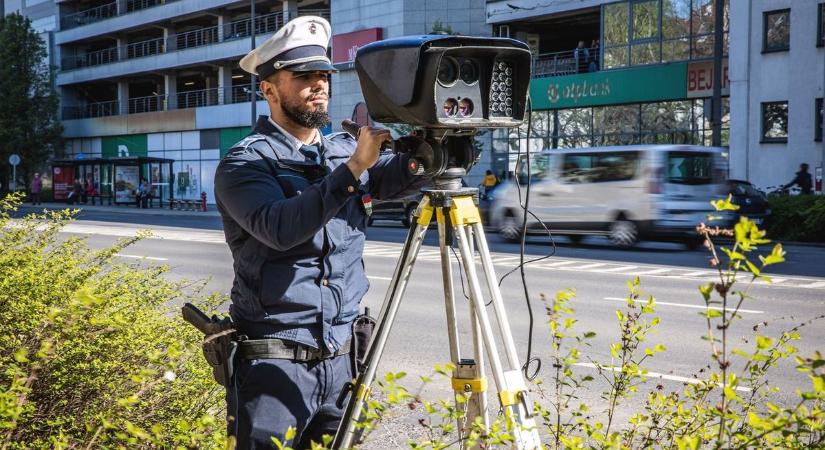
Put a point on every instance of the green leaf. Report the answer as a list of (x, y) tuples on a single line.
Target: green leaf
[(725, 204), (763, 342)]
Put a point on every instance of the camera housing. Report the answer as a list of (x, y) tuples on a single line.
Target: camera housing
[(445, 82)]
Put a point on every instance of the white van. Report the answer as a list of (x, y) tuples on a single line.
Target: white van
[(626, 193)]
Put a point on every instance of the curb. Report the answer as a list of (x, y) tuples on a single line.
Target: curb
[(164, 212)]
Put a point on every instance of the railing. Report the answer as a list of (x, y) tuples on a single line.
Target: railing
[(183, 100), (95, 58), (144, 48), (99, 109), (196, 99), (109, 10), (565, 63), (147, 104), (267, 23), (191, 39), (238, 29), (88, 16)]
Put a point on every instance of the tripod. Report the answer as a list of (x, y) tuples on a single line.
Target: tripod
[(455, 212)]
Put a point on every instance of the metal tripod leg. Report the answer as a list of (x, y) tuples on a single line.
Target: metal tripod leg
[(511, 387), (468, 376), (346, 436)]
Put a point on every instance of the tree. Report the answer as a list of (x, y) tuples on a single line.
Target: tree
[(29, 124)]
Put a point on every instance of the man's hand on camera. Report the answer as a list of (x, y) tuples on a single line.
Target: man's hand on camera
[(368, 149)]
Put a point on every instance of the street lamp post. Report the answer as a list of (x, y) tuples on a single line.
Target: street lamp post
[(718, 49), (252, 77)]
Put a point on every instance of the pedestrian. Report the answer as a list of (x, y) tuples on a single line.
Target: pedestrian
[(802, 179), (84, 198), (142, 195), (75, 193), (490, 181), (582, 57), (294, 209), (90, 191), (35, 188), (594, 56)]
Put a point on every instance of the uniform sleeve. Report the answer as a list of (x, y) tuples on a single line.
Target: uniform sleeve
[(246, 191), (389, 178)]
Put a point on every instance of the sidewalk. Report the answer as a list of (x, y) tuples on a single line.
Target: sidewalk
[(212, 211)]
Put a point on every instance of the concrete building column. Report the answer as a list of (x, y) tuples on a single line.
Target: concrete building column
[(170, 88), (290, 10), (168, 44), (123, 96), (121, 49), (221, 23), (225, 85), (742, 123)]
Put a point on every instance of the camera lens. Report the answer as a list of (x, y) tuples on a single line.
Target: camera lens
[(447, 71), (468, 71), (450, 107), (502, 65), (508, 102), (508, 71), (465, 107), (508, 112), (509, 92), (508, 81)]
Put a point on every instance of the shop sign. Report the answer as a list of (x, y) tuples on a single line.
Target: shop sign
[(346, 45), (124, 146), (611, 87), (700, 79)]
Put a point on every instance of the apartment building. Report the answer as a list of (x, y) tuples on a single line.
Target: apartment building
[(152, 88)]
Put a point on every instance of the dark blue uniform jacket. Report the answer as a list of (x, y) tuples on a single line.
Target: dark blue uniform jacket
[(296, 232)]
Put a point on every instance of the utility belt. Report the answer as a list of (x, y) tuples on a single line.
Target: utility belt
[(222, 344)]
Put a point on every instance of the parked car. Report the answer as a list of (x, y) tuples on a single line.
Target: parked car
[(396, 209), (626, 193), (752, 202)]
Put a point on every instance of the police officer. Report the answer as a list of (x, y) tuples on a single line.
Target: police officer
[(294, 208)]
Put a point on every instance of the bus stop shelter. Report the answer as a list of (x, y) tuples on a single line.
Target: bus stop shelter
[(114, 180)]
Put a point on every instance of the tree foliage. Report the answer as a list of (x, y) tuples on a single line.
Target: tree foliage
[(29, 124)]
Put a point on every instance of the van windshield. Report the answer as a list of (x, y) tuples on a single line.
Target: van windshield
[(538, 167), (690, 168)]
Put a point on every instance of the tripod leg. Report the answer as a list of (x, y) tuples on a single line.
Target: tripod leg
[(347, 433), (512, 389), (468, 376)]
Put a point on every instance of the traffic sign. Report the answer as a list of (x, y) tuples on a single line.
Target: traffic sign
[(14, 159)]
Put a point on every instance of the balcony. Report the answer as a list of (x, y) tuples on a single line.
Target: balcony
[(152, 103), (565, 63), (109, 10), (239, 29)]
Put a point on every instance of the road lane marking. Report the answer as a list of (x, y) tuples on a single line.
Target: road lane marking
[(661, 376), (686, 305), (618, 269), (151, 258), (817, 285), (654, 271), (588, 266)]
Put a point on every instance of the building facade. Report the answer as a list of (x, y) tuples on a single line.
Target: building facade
[(777, 81), (160, 78)]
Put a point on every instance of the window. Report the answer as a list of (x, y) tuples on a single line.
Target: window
[(776, 31), (819, 119), (820, 27), (691, 168), (599, 167), (775, 122)]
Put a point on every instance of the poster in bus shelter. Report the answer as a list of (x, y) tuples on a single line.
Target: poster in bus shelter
[(126, 183), (62, 181)]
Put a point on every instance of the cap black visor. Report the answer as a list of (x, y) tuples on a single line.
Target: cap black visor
[(312, 66)]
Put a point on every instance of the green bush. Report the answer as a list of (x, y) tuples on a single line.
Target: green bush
[(93, 353), (797, 218)]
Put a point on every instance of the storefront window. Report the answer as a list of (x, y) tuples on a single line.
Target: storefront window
[(615, 35), (575, 126)]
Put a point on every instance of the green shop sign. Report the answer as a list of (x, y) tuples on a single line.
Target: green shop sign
[(126, 145), (612, 87)]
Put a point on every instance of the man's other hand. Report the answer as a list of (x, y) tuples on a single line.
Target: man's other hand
[(368, 149)]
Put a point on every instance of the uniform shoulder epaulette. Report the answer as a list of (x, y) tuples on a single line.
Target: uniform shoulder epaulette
[(340, 135), (243, 146)]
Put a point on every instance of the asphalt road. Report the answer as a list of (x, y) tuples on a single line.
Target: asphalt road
[(597, 272)]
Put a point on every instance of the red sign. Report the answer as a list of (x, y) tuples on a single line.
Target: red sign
[(62, 181), (344, 46), (700, 79)]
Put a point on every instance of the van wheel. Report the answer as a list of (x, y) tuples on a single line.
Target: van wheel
[(409, 215), (510, 229), (623, 233)]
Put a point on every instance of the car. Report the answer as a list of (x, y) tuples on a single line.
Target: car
[(626, 193), (752, 202), (396, 209)]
